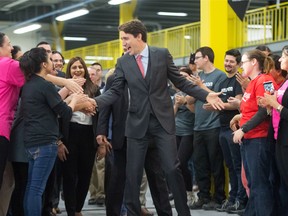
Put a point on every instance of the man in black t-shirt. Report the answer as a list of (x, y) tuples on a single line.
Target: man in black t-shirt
[(231, 151)]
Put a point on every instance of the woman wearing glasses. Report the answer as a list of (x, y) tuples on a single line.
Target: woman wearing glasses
[(252, 135)]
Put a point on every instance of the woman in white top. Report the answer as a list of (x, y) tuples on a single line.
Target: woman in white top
[(80, 141)]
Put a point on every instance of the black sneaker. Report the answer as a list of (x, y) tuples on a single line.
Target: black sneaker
[(199, 204), (212, 205), (237, 208), (224, 206)]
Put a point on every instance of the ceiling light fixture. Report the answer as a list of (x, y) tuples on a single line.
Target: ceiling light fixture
[(13, 4), (75, 38), (72, 15), (117, 2), (26, 29), (171, 14)]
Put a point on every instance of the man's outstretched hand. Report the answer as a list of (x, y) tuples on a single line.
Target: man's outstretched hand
[(213, 99)]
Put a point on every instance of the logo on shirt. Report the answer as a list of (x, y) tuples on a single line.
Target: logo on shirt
[(229, 89), (208, 84), (246, 96)]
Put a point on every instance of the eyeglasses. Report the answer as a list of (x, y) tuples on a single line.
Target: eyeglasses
[(245, 61), (198, 57)]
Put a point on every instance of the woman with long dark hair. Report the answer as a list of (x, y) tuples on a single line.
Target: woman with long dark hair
[(41, 104), (80, 141)]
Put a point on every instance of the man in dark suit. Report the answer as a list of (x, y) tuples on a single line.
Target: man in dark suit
[(115, 169), (150, 112)]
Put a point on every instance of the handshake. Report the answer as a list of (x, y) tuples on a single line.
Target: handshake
[(81, 102)]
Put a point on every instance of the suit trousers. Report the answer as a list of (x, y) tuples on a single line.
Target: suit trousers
[(157, 182), (115, 181), (167, 149), (115, 170)]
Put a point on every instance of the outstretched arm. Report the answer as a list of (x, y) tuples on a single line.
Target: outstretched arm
[(68, 83)]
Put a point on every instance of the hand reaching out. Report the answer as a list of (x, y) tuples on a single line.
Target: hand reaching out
[(73, 86), (215, 101), (89, 107), (79, 80)]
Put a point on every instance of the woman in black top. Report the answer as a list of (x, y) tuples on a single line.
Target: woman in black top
[(40, 105)]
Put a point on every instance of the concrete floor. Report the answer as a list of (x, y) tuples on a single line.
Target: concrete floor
[(94, 210)]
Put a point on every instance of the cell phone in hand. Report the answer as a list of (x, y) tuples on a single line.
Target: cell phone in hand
[(269, 87)]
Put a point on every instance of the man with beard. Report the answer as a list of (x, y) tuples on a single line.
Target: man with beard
[(231, 151)]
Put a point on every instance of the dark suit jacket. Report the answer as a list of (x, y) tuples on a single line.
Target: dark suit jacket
[(119, 114), (149, 95)]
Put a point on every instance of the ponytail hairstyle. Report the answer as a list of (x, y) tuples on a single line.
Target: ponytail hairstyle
[(89, 88), (30, 62), (265, 62)]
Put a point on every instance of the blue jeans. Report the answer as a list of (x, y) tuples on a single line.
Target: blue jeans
[(232, 157), (256, 155), (41, 162)]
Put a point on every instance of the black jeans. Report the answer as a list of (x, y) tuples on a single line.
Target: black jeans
[(208, 160), (185, 151)]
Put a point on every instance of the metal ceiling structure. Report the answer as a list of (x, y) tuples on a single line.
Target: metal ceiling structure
[(101, 24)]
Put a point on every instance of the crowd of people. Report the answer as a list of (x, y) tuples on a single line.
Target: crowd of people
[(65, 134)]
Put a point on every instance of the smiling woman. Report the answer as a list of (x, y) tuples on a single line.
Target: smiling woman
[(252, 135), (80, 139), (41, 104)]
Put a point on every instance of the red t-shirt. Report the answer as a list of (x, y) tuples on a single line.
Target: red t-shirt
[(249, 106)]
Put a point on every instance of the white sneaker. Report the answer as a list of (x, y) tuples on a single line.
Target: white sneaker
[(191, 198)]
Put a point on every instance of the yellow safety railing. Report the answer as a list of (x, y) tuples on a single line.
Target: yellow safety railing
[(261, 26), (179, 40), (266, 25)]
